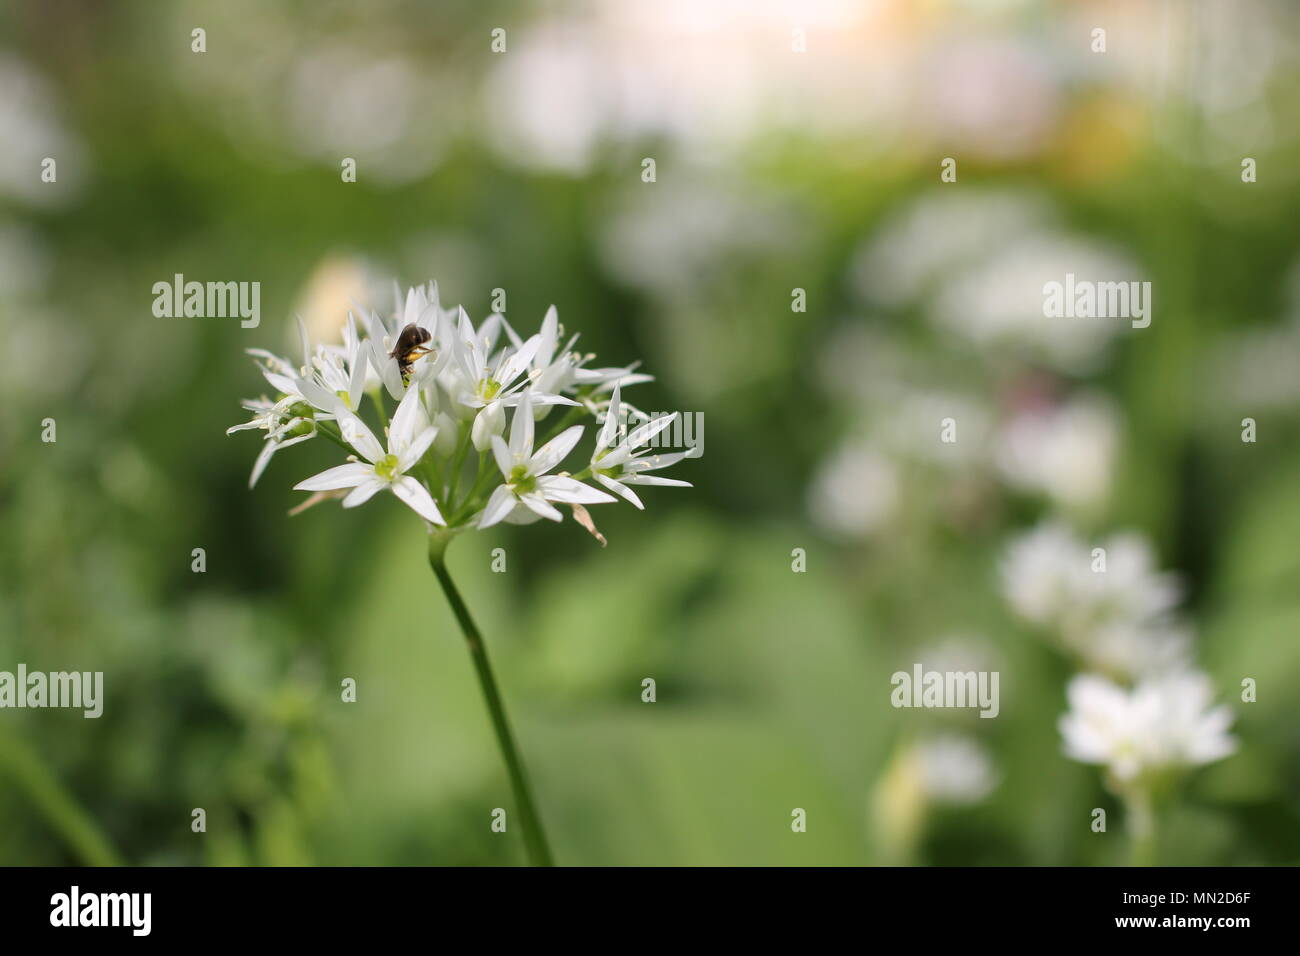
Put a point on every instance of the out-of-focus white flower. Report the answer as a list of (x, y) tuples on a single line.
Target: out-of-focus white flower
[(680, 235), (31, 134), (854, 491), (1049, 578), (955, 769), (1256, 368), (958, 652), (939, 233), (1137, 648), (1066, 452), (999, 302), (1118, 620), (919, 423), (976, 264), (1163, 724)]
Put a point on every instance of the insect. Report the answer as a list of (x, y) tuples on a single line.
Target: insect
[(411, 345)]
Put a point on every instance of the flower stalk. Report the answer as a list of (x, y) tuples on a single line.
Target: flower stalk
[(539, 853), (1142, 827)]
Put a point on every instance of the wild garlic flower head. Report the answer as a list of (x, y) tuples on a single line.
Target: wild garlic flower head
[(955, 769), (1146, 733), (440, 393), (1111, 607)]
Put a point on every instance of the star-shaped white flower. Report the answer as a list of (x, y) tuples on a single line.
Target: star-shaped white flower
[(623, 465), (409, 437), (527, 483), (491, 383), (421, 307), (1161, 724)]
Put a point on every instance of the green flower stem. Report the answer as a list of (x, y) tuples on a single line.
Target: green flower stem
[(378, 399), (61, 810), (428, 467), (480, 469), (1142, 827), (534, 837), (458, 460), (474, 498), (332, 433)]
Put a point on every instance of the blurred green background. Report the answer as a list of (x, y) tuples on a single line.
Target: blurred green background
[(776, 170)]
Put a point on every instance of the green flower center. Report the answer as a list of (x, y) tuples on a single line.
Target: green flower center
[(489, 389), (521, 481), (386, 467)]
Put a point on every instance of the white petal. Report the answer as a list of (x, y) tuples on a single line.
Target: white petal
[(413, 452), (305, 342), (414, 306), (363, 492), (488, 423), (408, 421), (555, 450), (502, 455), (356, 434), (569, 491), (297, 439), (514, 366), (263, 459), (537, 504), (386, 367), (501, 503), (610, 428), (538, 399), (418, 497), (549, 335), (360, 364), (655, 480), (321, 397), (521, 427), (656, 462), (642, 435), (281, 383), (620, 489), (343, 476)]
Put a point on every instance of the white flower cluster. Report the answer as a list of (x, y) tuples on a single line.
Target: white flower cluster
[(1115, 617), (1163, 723), (1139, 708), (451, 388)]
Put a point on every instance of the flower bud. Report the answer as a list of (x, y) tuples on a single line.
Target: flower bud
[(491, 420), (299, 427), (444, 443)]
